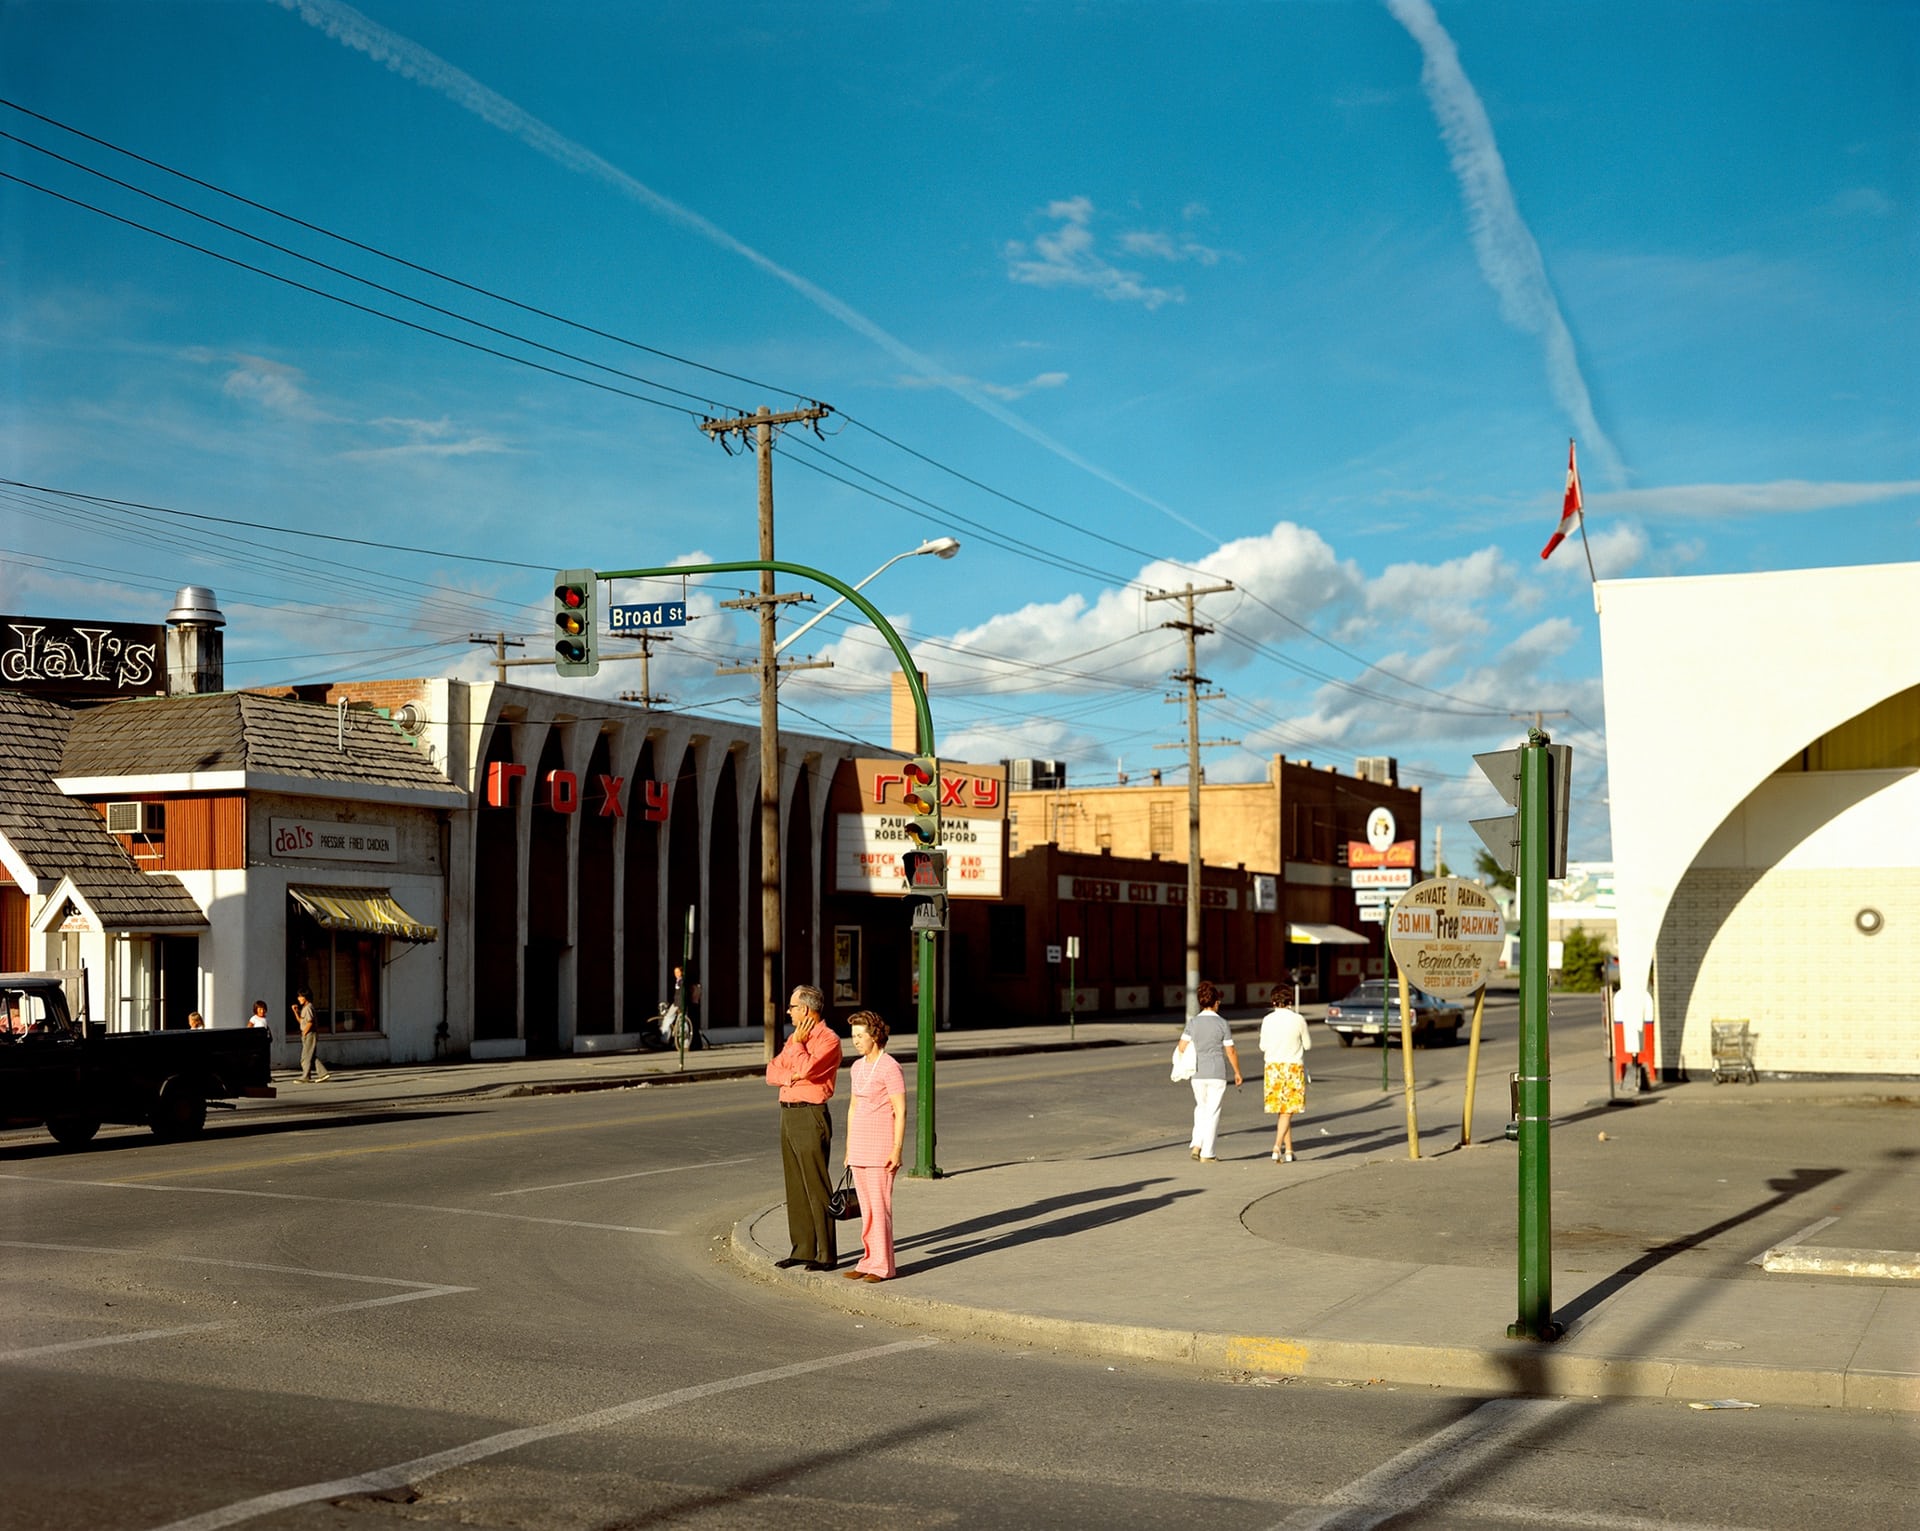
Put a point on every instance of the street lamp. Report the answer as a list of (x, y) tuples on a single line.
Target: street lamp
[(940, 547)]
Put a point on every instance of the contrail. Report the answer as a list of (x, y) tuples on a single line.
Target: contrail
[(404, 57), (1509, 258)]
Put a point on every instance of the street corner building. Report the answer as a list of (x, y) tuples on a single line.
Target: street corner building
[(1763, 762)]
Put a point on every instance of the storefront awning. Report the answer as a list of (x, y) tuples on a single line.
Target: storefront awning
[(370, 911), (1325, 935)]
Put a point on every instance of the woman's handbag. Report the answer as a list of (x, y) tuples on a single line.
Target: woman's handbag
[(844, 1201), (1184, 1063)]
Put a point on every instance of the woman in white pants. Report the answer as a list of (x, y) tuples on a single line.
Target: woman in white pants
[(1212, 1042)]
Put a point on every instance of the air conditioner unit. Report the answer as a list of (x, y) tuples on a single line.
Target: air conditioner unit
[(1384, 769), (136, 818), (1037, 775)]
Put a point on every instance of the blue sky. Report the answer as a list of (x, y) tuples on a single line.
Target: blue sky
[(1308, 297)]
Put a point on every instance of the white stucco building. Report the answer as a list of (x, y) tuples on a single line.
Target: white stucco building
[(1763, 755)]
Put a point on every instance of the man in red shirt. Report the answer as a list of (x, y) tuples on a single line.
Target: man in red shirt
[(804, 1073)]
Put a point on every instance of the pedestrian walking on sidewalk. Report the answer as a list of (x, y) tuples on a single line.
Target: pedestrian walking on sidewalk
[(309, 1039), (804, 1073), (1211, 1039), (1283, 1050), (876, 1132)]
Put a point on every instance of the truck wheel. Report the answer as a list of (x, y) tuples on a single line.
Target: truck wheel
[(73, 1131), (181, 1110)]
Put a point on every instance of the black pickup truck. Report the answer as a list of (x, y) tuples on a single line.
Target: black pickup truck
[(70, 1074)]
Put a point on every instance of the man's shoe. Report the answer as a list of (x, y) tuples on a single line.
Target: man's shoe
[(323, 1079), (820, 1265), (789, 1263)]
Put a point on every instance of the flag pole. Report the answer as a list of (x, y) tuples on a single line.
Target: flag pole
[(1592, 578)]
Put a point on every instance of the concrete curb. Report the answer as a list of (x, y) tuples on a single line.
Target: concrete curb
[(1508, 1370)]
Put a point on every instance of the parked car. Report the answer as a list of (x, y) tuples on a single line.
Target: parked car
[(1369, 1012)]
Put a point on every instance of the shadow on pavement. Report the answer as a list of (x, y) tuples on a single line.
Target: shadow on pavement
[(1788, 1188), (1059, 1228), (1007, 1215)]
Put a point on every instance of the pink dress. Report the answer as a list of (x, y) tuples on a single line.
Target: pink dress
[(869, 1146)]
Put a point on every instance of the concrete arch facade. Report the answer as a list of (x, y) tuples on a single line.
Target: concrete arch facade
[(571, 921), (1742, 879)]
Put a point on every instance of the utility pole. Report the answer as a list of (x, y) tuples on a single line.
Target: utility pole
[(1194, 680), (761, 423), (501, 643), (646, 696)]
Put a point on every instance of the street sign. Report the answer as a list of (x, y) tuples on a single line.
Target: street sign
[(1380, 828), (1373, 914), (1446, 935), (633, 619), (1382, 877)]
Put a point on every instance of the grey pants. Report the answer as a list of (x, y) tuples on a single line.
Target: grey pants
[(308, 1043)]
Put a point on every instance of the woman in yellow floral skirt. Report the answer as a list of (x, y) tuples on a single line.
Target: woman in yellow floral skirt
[(1283, 1047)]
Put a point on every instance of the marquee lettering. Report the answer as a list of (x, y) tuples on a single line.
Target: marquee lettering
[(562, 792)]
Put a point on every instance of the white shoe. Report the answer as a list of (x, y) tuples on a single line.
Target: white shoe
[(1287, 1157), (1193, 1153)]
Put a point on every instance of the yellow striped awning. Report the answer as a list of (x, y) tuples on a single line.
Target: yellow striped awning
[(369, 911)]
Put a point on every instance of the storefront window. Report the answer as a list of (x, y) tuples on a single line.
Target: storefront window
[(341, 969)]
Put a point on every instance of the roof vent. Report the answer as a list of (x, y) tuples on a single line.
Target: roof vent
[(195, 603)]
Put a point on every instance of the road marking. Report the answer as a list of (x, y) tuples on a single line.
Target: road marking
[(1406, 1481), (342, 1201), (383, 1479), (416, 1291), (1563, 1519), (1787, 1243), (672, 1169)]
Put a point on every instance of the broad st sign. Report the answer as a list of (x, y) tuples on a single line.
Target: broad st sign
[(973, 821), (57, 657)]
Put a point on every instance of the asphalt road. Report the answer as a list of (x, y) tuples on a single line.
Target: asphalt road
[(516, 1314)]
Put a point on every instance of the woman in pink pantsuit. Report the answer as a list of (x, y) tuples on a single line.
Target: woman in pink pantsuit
[(876, 1128)]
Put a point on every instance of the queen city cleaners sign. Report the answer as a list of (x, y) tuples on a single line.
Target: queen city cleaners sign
[(1446, 934)]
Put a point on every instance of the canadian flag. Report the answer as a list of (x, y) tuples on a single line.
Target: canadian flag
[(1569, 508)]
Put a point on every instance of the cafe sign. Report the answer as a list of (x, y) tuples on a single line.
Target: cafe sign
[(54, 656)]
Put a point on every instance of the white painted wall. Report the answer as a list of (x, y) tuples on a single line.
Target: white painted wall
[(1712, 684)]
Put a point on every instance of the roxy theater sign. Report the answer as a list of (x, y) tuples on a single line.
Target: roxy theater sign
[(561, 791), (58, 657)]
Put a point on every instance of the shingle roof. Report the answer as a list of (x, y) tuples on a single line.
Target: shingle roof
[(59, 836), (242, 731)]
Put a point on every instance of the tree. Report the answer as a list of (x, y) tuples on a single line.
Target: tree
[(1583, 962), (1490, 871)]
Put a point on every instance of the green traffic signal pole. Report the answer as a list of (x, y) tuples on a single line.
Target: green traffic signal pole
[(923, 1165), (1536, 1241)]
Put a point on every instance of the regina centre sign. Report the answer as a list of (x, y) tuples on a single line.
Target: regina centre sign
[(1446, 934)]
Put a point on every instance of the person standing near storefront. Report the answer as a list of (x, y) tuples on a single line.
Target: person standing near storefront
[(259, 1016), (804, 1073), (876, 1134), (309, 1039)]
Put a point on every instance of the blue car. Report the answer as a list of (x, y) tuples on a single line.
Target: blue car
[(1369, 1009)]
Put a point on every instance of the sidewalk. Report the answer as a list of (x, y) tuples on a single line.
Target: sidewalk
[(1357, 1264)]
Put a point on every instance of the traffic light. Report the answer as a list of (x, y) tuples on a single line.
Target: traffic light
[(922, 802), (576, 635), (926, 871), (928, 913), (1502, 835)]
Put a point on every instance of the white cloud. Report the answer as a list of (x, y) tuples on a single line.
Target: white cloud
[(426, 438), (1165, 247), (1863, 201), (1781, 496), (269, 385), (1067, 257), (1441, 596), (1504, 245), (1008, 391)]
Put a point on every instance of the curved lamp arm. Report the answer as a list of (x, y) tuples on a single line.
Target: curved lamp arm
[(940, 547)]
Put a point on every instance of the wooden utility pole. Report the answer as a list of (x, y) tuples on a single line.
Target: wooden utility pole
[(646, 696), (501, 643), (1194, 680), (761, 423)]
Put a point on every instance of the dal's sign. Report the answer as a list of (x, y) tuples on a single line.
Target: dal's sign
[(1447, 935), (57, 657)]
